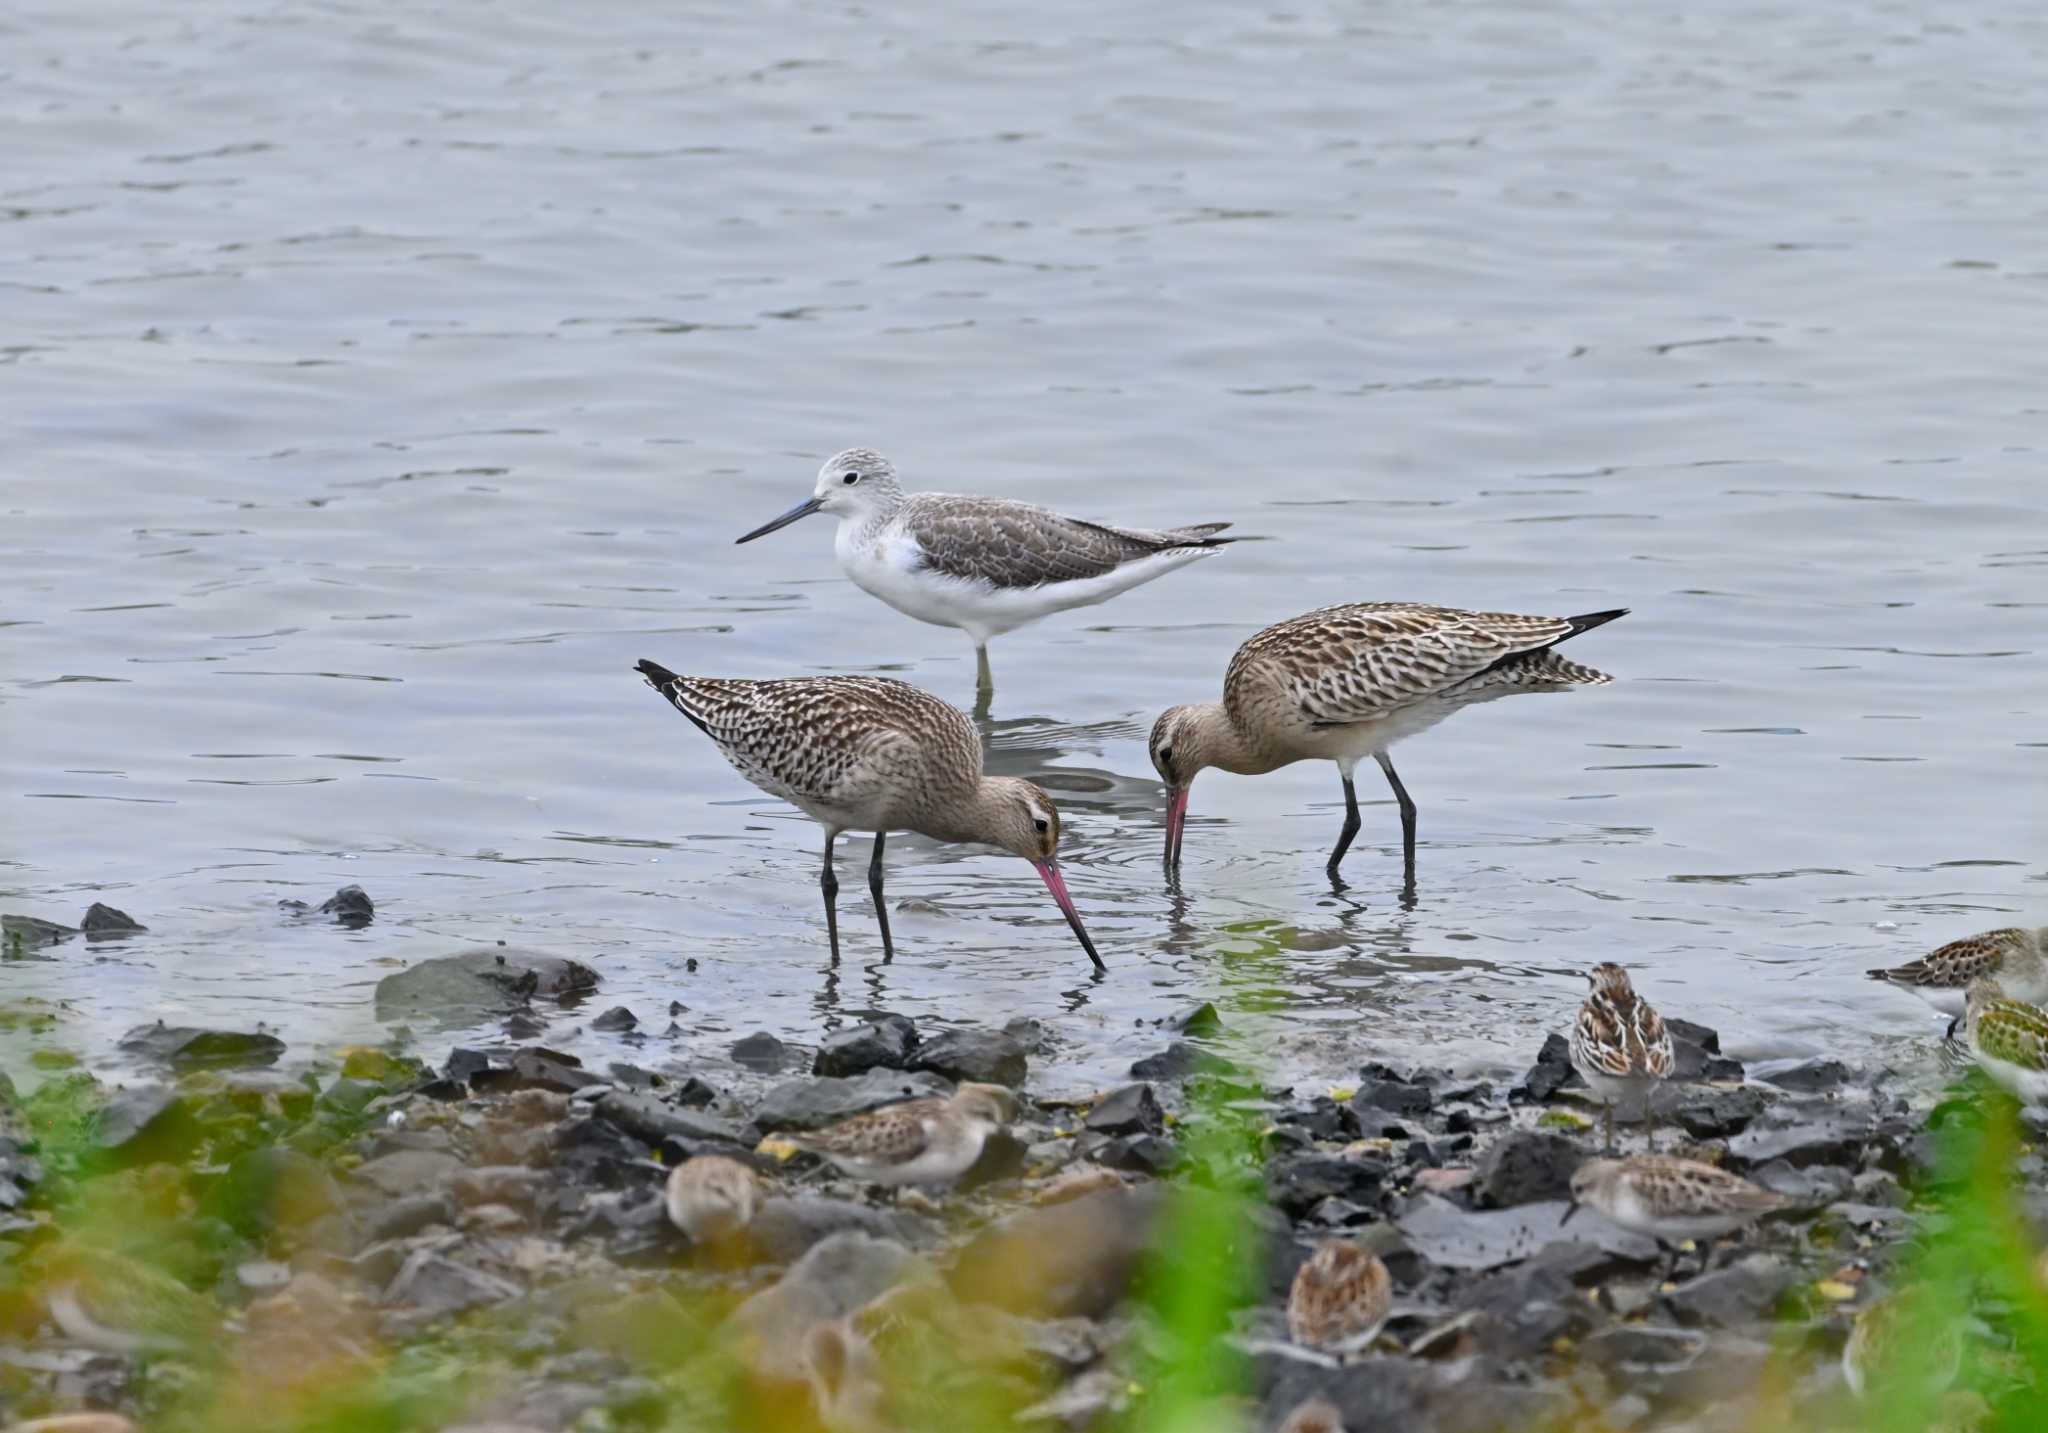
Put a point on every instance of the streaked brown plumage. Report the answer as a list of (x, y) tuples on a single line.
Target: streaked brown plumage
[(711, 1198), (2016, 957), (1339, 1299), (1619, 1044), (929, 1141), (1346, 682), (872, 754)]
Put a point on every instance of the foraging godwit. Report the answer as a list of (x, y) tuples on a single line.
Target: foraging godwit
[(985, 565), (872, 754), (2016, 958), (1346, 682), (1619, 1044)]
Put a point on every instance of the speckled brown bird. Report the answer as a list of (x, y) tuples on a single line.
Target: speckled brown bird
[(1619, 1044), (2016, 958), (1340, 1298), (929, 1141), (872, 754), (1343, 683)]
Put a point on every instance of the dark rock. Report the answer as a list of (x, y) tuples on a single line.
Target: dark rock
[(32, 932), (1135, 1153), (1134, 1109), (445, 1090), (465, 1064), (813, 1103), (476, 984), (431, 1284), (762, 1053), (1176, 1062), (1073, 1259), (1526, 1166), (404, 1217), (1709, 1112), (616, 1018), (1526, 1308), (1809, 1077), (837, 1276), (1800, 1138), (652, 1120), (1393, 1095), (349, 906), (185, 1047), (1456, 1238), (1742, 1293), (1373, 1392), (785, 1229), (692, 1092), (538, 1068), (103, 921), (1696, 1054), (1322, 1118), (1298, 1185), (1644, 1348), (885, 1042), (1552, 1072), (524, 1025), (634, 1077), (139, 1116), (986, 1057), (1002, 1157)]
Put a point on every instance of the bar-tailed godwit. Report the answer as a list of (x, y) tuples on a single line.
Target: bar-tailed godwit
[(1343, 683), (985, 565), (872, 754)]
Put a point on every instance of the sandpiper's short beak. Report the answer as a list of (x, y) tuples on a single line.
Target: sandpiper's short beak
[(1049, 872), (1176, 822), (1569, 1210), (802, 509)]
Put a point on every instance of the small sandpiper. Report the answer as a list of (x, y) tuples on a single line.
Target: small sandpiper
[(2008, 1039), (2016, 958), (1902, 1340), (1347, 682), (872, 754), (845, 1376), (712, 1198), (1619, 1044), (984, 565), (1340, 1298), (1671, 1200), (929, 1141)]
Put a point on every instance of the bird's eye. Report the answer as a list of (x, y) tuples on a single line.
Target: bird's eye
[(850, 479), (1042, 826), (1166, 754)]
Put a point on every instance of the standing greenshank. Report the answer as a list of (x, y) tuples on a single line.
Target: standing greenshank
[(872, 754), (1342, 683), (985, 565)]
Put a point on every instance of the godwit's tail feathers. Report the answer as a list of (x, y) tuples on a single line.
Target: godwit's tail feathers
[(1543, 668), (672, 686), (1199, 534)]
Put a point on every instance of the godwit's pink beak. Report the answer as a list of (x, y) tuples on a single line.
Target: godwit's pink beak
[(1049, 872), (1176, 822)]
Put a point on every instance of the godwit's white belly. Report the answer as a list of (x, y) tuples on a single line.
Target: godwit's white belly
[(889, 564)]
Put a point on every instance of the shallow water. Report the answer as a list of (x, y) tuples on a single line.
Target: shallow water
[(381, 385)]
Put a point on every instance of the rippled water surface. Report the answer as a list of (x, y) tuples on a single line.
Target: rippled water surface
[(382, 382)]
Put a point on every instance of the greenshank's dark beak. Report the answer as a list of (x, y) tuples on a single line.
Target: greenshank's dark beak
[(802, 509)]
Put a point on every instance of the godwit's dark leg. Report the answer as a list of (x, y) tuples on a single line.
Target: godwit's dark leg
[(1407, 820), (1351, 825), (829, 883), (881, 905), (984, 679)]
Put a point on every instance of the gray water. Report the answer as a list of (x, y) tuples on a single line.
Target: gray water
[(381, 382)]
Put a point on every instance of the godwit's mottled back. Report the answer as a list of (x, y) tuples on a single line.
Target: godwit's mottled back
[(985, 565), (1345, 682), (871, 754)]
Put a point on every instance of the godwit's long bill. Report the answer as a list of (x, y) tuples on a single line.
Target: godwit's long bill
[(1346, 682), (985, 565), (872, 754)]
